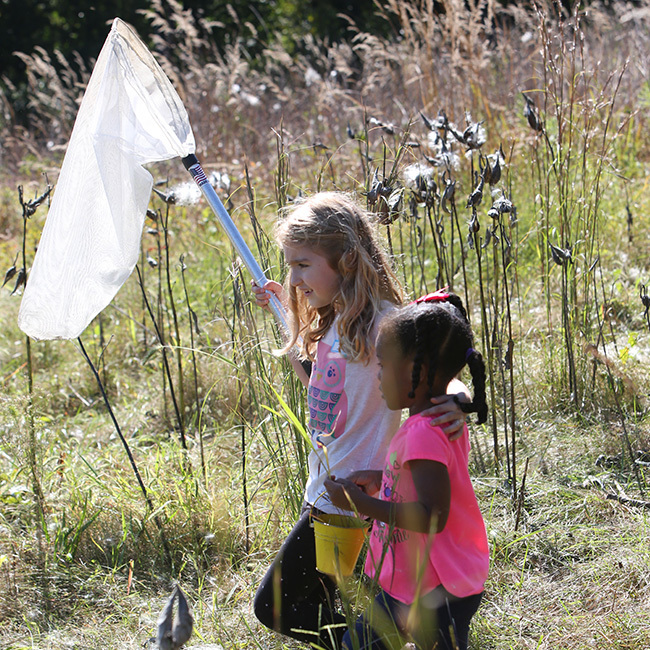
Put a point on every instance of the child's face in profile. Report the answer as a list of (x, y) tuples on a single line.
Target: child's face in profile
[(312, 274), (395, 371)]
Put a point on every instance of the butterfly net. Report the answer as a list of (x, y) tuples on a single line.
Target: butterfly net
[(130, 115)]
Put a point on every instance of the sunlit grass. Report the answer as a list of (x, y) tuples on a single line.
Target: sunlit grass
[(568, 546)]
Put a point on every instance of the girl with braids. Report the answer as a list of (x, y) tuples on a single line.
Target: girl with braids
[(340, 286), (428, 548)]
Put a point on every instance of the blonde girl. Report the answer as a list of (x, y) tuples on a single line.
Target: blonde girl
[(339, 287)]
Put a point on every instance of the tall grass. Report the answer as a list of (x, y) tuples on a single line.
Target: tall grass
[(502, 153)]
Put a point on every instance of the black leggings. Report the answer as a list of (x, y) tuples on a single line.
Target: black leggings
[(440, 622), (294, 598)]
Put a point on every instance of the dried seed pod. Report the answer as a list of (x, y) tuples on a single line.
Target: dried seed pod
[(457, 134), (378, 189), (561, 256), (503, 205), (170, 198), (195, 322), (442, 121), (507, 359), (495, 175), (389, 206), (507, 248), (439, 123), (476, 196), (492, 170), (375, 186), (447, 194), (383, 214), (385, 190), (11, 271), (474, 135), (394, 199), (420, 179), (385, 127), (21, 280), (530, 113), (427, 122), (488, 238), (29, 207)]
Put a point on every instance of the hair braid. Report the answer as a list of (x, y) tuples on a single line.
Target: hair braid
[(417, 360), (479, 404), (433, 324)]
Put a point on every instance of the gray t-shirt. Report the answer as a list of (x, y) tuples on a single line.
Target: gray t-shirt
[(349, 422)]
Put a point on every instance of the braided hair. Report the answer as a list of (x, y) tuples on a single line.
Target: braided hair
[(435, 331)]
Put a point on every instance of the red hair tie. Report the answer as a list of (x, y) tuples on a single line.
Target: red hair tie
[(437, 296)]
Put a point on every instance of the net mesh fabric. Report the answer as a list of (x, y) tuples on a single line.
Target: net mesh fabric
[(130, 115)]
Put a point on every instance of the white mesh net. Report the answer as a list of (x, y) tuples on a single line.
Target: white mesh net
[(130, 115)]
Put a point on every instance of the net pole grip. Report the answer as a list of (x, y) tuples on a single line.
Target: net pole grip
[(193, 166)]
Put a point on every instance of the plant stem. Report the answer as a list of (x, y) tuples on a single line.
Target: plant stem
[(193, 323), (180, 411), (125, 444), (167, 371)]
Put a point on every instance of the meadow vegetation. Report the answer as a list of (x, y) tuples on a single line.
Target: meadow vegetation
[(504, 153)]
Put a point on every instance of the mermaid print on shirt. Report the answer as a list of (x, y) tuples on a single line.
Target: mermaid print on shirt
[(328, 403), (385, 533)]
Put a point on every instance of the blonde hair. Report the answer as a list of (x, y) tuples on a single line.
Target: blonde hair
[(334, 226)]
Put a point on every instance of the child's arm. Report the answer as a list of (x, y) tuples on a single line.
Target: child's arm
[(428, 514), (262, 298)]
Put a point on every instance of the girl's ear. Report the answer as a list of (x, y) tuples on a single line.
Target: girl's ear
[(424, 373)]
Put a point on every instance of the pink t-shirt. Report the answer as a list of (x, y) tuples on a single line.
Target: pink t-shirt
[(458, 557)]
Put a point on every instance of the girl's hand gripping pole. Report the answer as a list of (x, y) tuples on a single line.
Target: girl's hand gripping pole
[(193, 166)]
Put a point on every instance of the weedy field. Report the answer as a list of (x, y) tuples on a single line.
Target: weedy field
[(505, 154)]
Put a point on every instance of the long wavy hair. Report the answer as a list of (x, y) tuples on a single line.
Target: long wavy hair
[(334, 226)]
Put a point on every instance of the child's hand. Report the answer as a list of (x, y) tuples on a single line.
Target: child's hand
[(263, 294), (343, 492), (450, 417), (369, 480)]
